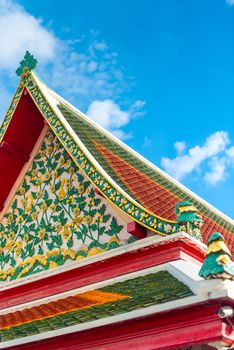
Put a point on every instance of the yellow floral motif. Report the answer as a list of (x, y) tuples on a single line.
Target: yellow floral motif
[(62, 193), (34, 215), (30, 203), (10, 218), (47, 176), (11, 235), (66, 231), (26, 237), (39, 194), (23, 202), (41, 259), (58, 226), (53, 207), (88, 219), (22, 190), (53, 189), (50, 149), (41, 233), (9, 245), (76, 210), (54, 217), (39, 180), (114, 240), (70, 200), (53, 264), (93, 251), (81, 189), (10, 271), (71, 170), (33, 175), (68, 252), (52, 253), (20, 219), (44, 207)]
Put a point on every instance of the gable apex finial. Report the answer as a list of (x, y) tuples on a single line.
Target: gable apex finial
[(27, 64)]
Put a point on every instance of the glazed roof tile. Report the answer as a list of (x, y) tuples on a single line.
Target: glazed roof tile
[(111, 300)]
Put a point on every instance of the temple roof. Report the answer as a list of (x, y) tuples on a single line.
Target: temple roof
[(140, 180), (137, 187)]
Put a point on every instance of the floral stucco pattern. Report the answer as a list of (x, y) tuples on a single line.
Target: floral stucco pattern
[(55, 217), (135, 211)]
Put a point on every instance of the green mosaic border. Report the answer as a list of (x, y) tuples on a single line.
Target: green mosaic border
[(11, 110)]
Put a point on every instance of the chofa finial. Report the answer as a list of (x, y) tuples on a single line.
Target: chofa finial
[(189, 219), (218, 263), (27, 64)]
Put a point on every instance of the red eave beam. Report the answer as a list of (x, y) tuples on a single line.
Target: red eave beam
[(178, 328), (124, 263)]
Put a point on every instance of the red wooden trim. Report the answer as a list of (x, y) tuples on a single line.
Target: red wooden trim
[(165, 331), (1, 205), (16, 152), (99, 271), (136, 229), (19, 139)]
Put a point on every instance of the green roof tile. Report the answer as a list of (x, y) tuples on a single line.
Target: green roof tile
[(140, 292)]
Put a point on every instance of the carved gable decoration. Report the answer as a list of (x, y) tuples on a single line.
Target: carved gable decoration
[(55, 217)]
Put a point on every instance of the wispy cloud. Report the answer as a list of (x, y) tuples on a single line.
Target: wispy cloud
[(213, 159), (110, 116), (18, 31), (180, 146), (83, 70), (230, 2)]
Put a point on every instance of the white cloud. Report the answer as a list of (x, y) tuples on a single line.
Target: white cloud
[(108, 114), (180, 146), (214, 146), (122, 135), (230, 2), (20, 31), (230, 154), (85, 73), (100, 45), (217, 172)]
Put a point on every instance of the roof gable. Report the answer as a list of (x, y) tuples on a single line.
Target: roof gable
[(108, 162), (55, 217)]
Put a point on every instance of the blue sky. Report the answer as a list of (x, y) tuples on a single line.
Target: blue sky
[(157, 73)]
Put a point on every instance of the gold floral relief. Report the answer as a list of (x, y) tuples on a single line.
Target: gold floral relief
[(55, 217)]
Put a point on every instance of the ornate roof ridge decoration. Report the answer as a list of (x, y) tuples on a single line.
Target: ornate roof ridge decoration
[(189, 219), (218, 263), (130, 207), (28, 63)]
